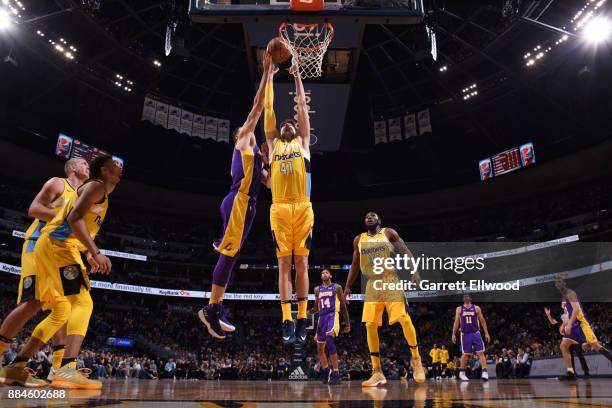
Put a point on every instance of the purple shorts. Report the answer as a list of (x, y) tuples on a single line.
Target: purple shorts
[(576, 334), (471, 343), (325, 326)]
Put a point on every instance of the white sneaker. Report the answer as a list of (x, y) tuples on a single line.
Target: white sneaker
[(463, 377), (485, 376), (51, 374)]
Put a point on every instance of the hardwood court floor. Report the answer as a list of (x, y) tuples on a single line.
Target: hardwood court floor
[(252, 394)]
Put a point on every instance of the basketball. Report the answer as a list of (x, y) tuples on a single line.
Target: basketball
[(279, 51)]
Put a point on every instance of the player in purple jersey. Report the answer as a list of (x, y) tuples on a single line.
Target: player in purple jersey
[(238, 207), (329, 297), (469, 317), (576, 329)]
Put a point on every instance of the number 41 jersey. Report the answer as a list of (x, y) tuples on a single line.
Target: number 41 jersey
[(290, 171)]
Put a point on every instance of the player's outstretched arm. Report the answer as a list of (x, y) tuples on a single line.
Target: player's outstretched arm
[(400, 248), (90, 194), (345, 313), (302, 109), (258, 104), (456, 324), (353, 271), (269, 116), (39, 208), (483, 323), (551, 319)]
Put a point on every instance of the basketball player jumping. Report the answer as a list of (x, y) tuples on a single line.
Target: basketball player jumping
[(470, 317), (328, 299), (291, 215), (61, 276), (576, 329), (49, 200), (380, 242), (238, 207)]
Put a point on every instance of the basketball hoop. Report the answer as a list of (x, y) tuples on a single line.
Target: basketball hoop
[(308, 44)]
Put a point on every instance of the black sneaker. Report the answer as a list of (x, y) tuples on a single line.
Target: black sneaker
[(568, 377), (210, 315), (586, 376), (335, 379), (288, 332), (325, 375), (300, 331)]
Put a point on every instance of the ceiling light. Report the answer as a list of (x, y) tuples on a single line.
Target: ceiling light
[(598, 30)]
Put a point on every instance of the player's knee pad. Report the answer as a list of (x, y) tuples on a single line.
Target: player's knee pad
[(82, 307), (331, 346), (60, 313)]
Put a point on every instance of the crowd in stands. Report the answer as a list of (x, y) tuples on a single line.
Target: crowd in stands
[(170, 341)]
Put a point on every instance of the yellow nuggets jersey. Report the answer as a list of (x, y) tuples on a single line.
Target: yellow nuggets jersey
[(378, 299), (58, 228), (27, 282), (59, 268), (435, 355), (444, 356), (373, 247), (290, 172), (33, 232)]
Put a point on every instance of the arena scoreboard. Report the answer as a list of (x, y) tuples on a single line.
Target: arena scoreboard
[(69, 148), (507, 161)]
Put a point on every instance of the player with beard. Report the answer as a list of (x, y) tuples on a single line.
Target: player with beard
[(377, 243), (291, 214)]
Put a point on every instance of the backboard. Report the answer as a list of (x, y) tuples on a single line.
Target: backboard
[(335, 11)]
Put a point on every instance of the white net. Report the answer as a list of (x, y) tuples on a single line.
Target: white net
[(308, 44)]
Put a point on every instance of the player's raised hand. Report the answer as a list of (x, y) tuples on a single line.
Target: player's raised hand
[(547, 311), (104, 263), (454, 339)]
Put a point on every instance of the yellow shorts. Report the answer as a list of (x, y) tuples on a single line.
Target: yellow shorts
[(27, 281), (59, 269), (292, 227), (373, 312)]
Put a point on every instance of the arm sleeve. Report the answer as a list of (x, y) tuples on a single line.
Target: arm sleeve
[(269, 115)]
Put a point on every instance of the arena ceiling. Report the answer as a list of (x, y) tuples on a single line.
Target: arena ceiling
[(559, 100)]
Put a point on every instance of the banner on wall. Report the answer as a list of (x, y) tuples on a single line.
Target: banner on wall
[(186, 122), (395, 129), (410, 126), (174, 118), (380, 131)]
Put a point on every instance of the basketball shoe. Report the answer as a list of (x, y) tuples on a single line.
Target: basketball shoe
[(288, 332), (73, 378), (23, 376), (210, 315), (224, 322), (375, 380)]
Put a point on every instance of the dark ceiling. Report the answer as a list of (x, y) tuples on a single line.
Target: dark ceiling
[(562, 103)]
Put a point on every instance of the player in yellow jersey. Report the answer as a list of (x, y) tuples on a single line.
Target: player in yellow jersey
[(62, 281), (49, 200), (434, 353), (291, 215), (380, 242), (444, 356)]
